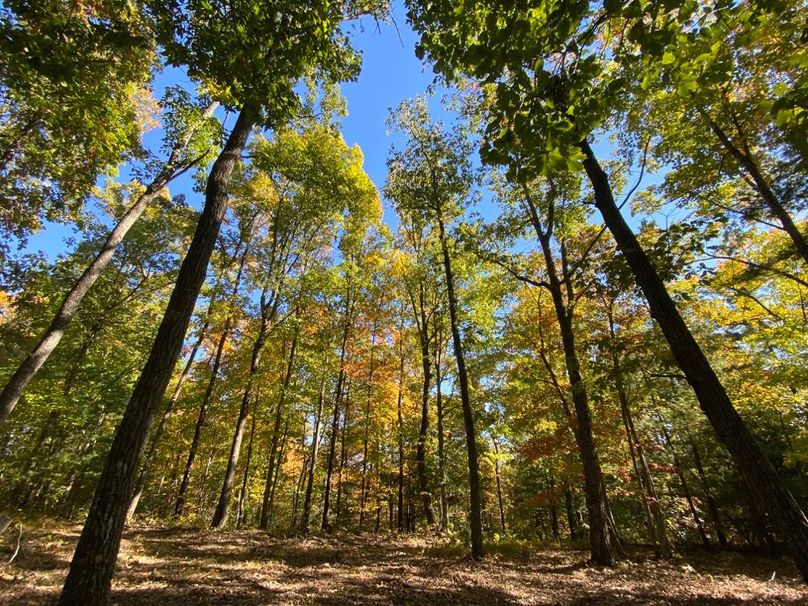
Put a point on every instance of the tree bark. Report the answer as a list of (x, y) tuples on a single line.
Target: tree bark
[(475, 495), (89, 580), (242, 494), (760, 477)]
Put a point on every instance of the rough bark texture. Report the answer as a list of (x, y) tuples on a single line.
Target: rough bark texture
[(88, 582), (761, 479)]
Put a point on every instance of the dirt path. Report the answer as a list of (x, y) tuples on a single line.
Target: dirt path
[(167, 567)]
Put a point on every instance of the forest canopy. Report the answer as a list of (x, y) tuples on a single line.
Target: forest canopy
[(572, 313)]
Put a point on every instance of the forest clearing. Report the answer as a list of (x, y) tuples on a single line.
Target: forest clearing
[(418, 302), (182, 566)]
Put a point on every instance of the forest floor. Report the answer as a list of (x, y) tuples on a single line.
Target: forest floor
[(164, 567)]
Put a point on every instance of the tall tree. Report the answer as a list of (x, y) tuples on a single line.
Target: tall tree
[(222, 52)]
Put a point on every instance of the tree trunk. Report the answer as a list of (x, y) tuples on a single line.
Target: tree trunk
[(264, 520), (277, 474), (89, 580), (140, 484), (400, 431), (315, 447), (242, 494), (475, 504), (599, 537), (364, 489), (763, 188), (648, 492), (683, 481), (444, 500), (200, 421), (268, 310), (70, 304), (761, 479), (332, 444), (499, 485), (426, 365)]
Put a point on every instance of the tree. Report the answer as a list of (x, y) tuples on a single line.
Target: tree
[(565, 99), (431, 178), (222, 53)]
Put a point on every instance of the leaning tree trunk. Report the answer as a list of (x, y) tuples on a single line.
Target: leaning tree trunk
[(179, 503), (70, 304), (776, 208), (762, 481), (140, 484), (89, 580), (475, 495), (223, 506)]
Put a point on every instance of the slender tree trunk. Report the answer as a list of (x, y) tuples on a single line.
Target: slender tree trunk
[(277, 473), (760, 477), (343, 452), (648, 492), (364, 489), (315, 447), (776, 208), (499, 485), (572, 521), (89, 580), (179, 504), (70, 304), (683, 481), (301, 478), (268, 311), (475, 504), (140, 484), (444, 500), (275, 431), (242, 494), (332, 444), (426, 365), (600, 543), (400, 433)]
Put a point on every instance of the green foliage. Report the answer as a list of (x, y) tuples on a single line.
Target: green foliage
[(73, 103)]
